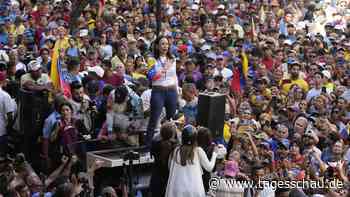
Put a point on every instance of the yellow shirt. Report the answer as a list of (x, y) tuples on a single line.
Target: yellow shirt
[(137, 75), (347, 56), (91, 24), (299, 82), (330, 86), (20, 30), (62, 43), (266, 94), (227, 132)]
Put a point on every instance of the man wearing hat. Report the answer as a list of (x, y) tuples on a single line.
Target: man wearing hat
[(190, 74), (6, 114), (221, 69), (35, 80)]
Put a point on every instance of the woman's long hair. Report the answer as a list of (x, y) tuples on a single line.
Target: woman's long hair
[(167, 144), (156, 49), (204, 138), (187, 152)]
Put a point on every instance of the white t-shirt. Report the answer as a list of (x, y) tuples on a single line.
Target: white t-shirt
[(21, 66), (44, 79), (225, 72), (314, 93), (6, 106), (106, 51), (146, 99)]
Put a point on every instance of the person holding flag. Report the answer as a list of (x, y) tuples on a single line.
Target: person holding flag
[(56, 76)]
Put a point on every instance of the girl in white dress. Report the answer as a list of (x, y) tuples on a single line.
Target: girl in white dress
[(185, 163)]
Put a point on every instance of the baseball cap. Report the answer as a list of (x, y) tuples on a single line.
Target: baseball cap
[(34, 65), (284, 144), (288, 42), (210, 66), (97, 70), (294, 62), (312, 134), (83, 32), (108, 191), (223, 17), (219, 57), (210, 55), (182, 48), (194, 7), (221, 6), (327, 74), (205, 47)]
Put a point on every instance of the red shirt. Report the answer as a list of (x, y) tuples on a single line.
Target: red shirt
[(269, 63)]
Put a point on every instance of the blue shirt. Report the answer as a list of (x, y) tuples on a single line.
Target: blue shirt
[(3, 38), (50, 123), (69, 77), (48, 194)]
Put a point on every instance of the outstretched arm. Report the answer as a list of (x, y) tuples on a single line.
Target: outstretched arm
[(204, 161)]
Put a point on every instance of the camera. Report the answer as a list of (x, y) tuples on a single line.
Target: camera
[(218, 78), (84, 181), (19, 160)]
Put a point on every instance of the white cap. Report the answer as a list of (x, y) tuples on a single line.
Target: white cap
[(301, 25), (194, 7), (34, 65), (83, 32), (223, 17), (347, 44), (98, 70), (69, 2), (327, 74), (202, 41), (205, 47), (221, 6), (4, 56), (289, 42), (14, 3), (338, 27)]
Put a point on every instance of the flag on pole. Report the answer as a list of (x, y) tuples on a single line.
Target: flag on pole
[(101, 7), (262, 15), (253, 29), (55, 70), (236, 81), (245, 65), (55, 74)]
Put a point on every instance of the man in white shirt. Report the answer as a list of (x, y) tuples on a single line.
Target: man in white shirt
[(221, 69), (35, 80), (317, 90), (6, 114)]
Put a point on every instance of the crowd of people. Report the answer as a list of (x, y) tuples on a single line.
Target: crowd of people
[(73, 71)]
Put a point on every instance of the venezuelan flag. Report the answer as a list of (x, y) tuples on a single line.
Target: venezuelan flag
[(55, 73), (245, 65), (240, 74)]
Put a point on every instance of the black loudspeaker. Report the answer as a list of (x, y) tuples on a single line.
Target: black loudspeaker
[(211, 112)]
